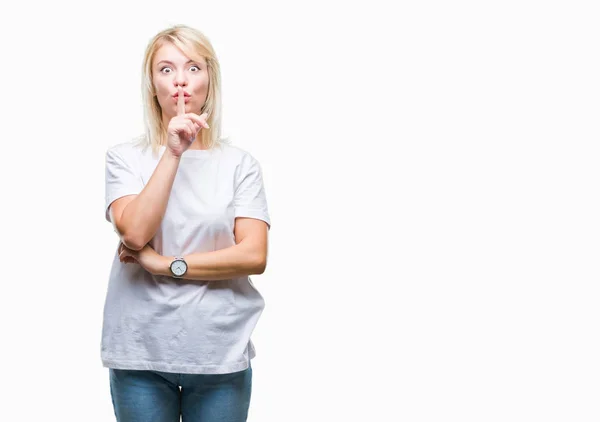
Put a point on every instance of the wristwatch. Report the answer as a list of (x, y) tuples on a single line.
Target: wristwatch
[(178, 267)]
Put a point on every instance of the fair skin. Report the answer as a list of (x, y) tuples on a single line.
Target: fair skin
[(181, 87), (174, 73)]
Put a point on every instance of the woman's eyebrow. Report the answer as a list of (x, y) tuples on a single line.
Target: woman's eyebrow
[(169, 62)]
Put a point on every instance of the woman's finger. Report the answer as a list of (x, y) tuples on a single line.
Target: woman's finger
[(204, 117), (180, 102), (192, 129), (199, 120), (124, 253), (127, 258)]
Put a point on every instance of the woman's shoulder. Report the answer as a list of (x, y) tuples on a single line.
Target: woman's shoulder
[(129, 148), (235, 152)]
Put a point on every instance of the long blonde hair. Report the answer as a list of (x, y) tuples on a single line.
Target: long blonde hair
[(193, 44)]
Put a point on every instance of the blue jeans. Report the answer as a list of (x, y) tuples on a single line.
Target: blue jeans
[(152, 396)]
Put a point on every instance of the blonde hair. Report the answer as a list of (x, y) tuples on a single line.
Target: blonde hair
[(193, 44)]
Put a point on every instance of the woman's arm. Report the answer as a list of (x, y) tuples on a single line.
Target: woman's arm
[(248, 256), (137, 217)]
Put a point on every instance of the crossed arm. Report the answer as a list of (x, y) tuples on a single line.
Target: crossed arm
[(248, 256)]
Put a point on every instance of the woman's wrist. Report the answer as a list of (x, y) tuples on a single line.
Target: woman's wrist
[(171, 155), (162, 266)]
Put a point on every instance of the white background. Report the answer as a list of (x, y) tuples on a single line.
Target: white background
[(432, 175)]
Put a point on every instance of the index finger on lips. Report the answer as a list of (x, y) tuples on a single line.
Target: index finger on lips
[(180, 102)]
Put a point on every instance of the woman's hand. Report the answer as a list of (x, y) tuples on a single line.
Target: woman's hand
[(184, 127), (146, 257)]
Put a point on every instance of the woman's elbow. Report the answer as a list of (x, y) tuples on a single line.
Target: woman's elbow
[(135, 243), (260, 265)]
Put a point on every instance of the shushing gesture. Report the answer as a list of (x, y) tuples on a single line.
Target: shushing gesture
[(184, 127)]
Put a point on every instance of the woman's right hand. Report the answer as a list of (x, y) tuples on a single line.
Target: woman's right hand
[(184, 127)]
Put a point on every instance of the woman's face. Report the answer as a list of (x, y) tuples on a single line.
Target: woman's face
[(171, 69)]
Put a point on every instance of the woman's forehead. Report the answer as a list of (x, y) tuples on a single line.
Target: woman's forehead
[(169, 52)]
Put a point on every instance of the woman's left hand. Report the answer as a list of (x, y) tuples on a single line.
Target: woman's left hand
[(146, 257)]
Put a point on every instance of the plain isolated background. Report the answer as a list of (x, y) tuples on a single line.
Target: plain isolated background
[(432, 174)]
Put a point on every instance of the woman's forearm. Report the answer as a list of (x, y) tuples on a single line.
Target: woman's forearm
[(235, 261), (142, 216)]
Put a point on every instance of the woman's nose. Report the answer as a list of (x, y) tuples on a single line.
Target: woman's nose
[(180, 80)]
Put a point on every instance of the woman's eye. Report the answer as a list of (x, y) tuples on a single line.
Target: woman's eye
[(167, 69)]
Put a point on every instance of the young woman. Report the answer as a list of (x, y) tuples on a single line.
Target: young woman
[(191, 213)]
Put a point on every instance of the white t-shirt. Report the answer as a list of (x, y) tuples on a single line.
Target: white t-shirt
[(176, 325)]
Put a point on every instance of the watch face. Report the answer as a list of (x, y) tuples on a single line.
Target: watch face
[(178, 268)]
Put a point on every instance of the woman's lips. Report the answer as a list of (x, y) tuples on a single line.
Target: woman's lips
[(186, 98)]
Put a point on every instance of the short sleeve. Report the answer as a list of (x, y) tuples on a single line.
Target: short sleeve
[(250, 198), (121, 179)]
